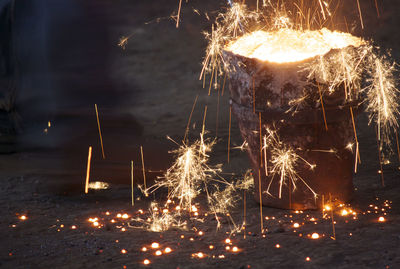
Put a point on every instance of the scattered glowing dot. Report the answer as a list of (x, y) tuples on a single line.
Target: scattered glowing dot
[(182, 236), (123, 230), (125, 216), (221, 256), (141, 212), (381, 219), (227, 247), (201, 233), (113, 221), (95, 224), (155, 245), (194, 208), (308, 259), (165, 210), (119, 215), (167, 250), (191, 239), (177, 207), (315, 236), (211, 247), (344, 212), (198, 255), (123, 251), (23, 217), (158, 253), (62, 225), (235, 249), (146, 262), (107, 213), (228, 241), (144, 249), (328, 207), (277, 246), (73, 227), (296, 225)]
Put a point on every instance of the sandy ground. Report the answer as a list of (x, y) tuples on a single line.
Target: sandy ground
[(159, 68)]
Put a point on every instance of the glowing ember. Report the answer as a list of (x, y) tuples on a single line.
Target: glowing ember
[(198, 255), (146, 262), (228, 241), (296, 225), (235, 249), (381, 219), (155, 245), (277, 246), (123, 251), (167, 250), (344, 212), (23, 217), (308, 259), (288, 45), (125, 216), (73, 227), (315, 236), (98, 185), (144, 249), (158, 253)]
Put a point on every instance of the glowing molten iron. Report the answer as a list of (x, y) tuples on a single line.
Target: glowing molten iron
[(287, 45)]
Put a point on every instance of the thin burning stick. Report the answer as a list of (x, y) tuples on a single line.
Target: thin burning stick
[(355, 137), (179, 13), (322, 10), (190, 118), (333, 221), (359, 11), (212, 77), (397, 142), (259, 192), (88, 170), (323, 108), (132, 185), (98, 125), (380, 158), (144, 171), (229, 130)]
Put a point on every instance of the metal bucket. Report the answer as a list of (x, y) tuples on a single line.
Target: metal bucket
[(320, 134)]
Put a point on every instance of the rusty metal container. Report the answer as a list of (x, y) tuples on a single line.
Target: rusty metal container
[(261, 95)]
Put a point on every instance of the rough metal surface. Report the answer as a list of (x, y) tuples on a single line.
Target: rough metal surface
[(267, 90)]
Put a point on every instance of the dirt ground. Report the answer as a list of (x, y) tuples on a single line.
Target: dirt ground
[(156, 79)]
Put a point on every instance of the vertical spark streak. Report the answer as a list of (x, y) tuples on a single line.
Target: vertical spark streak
[(223, 85), (190, 118), (259, 191), (380, 158), (355, 137), (265, 155), (204, 121), (132, 185), (179, 13), (254, 96), (260, 130), (244, 214), (322, 10), (397, 142), (229, 130), (144, 171), (98, 125), (217, 116), (333, 221), (88, 170), (377, 8), (359, 12), (323, 108)]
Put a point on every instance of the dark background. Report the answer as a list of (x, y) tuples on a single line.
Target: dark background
[(67, 59)]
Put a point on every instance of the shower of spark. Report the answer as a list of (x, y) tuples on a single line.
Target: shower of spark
[(160, 220), (284, 161)]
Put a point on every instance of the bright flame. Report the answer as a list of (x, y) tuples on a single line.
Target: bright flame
[(288, 45)]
